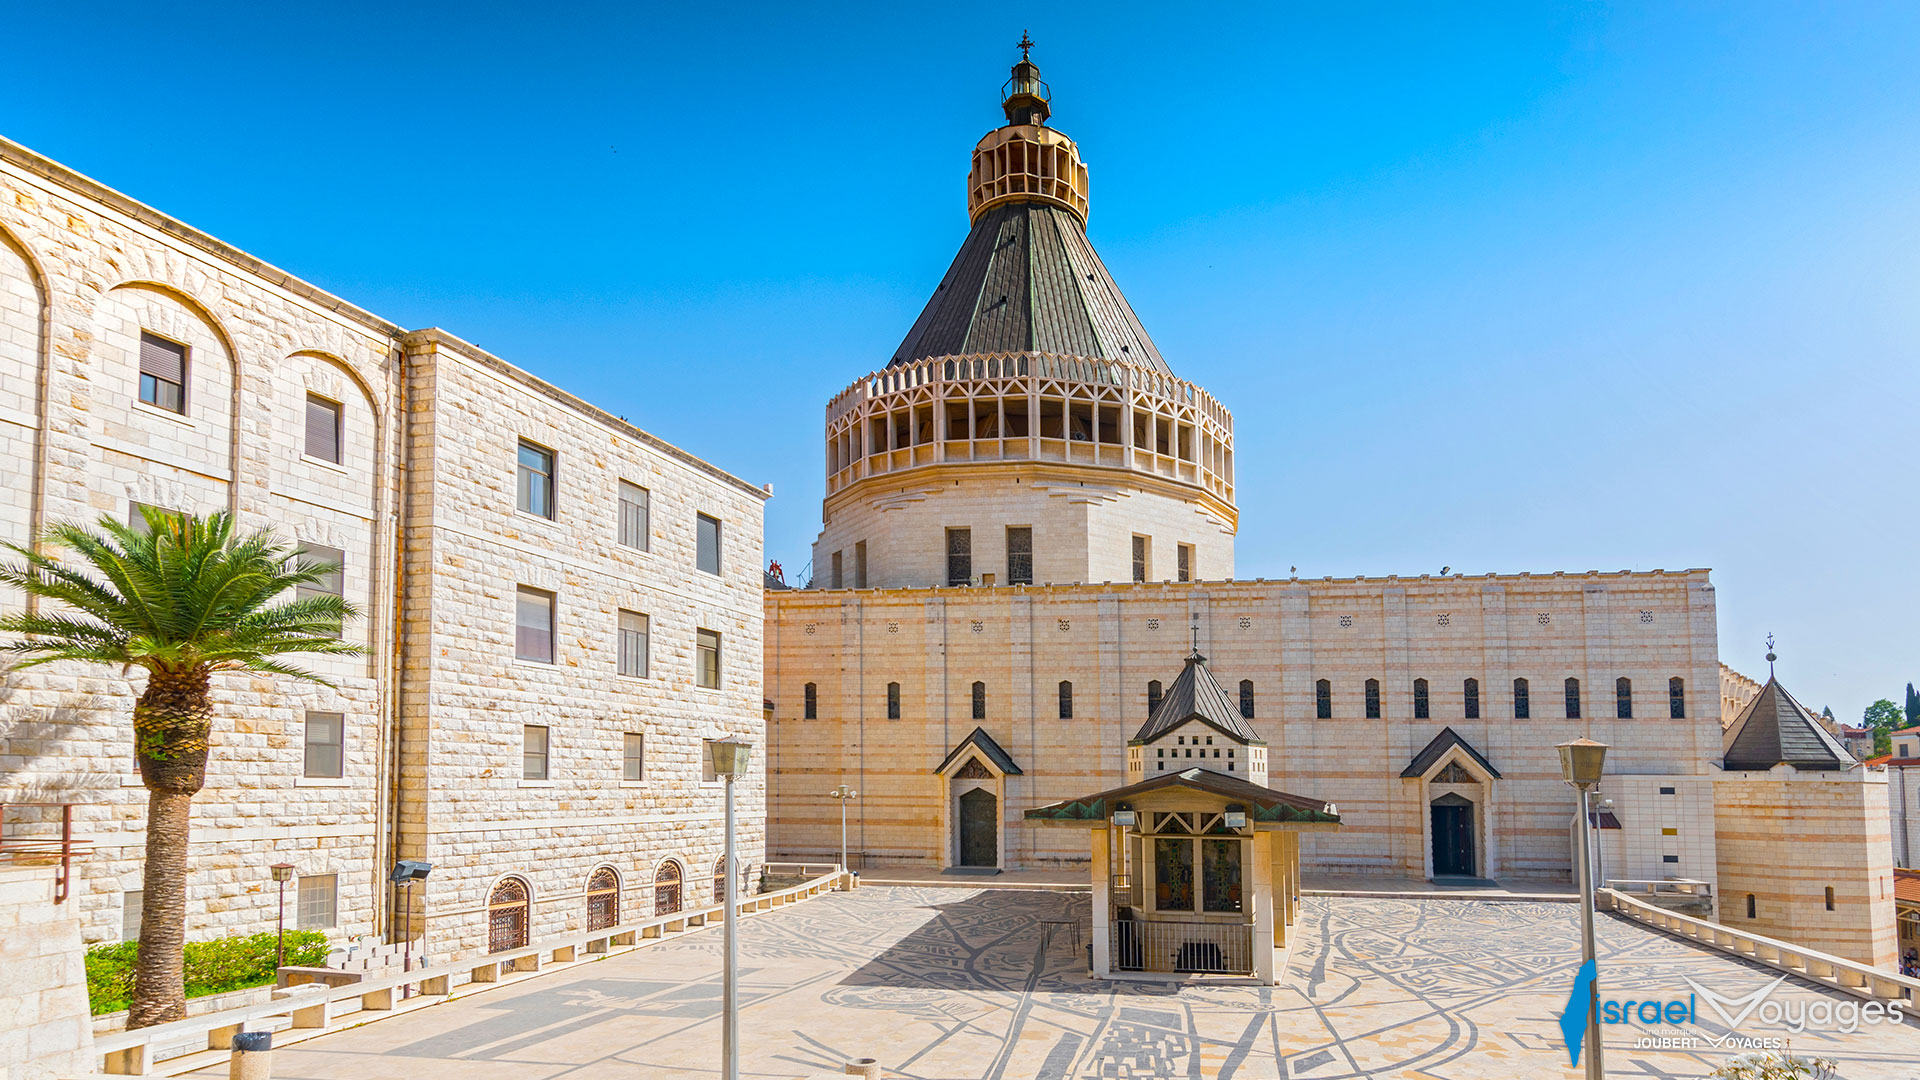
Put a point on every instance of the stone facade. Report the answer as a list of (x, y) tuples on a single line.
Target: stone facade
[(1110, 641), (44, 1031), (422, 507)]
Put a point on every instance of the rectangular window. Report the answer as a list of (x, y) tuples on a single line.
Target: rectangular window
[(1666, 791), (163, 373), (1676, 699), (333, 583), (130, 914), (834, 579), (860, 565), (1139, 558), (1066, 700), (1019, 555), (810, 702), (1220, 874), (1573, 699), (533, 625), (1676, 858), (533, 752), (893, 701), (634, 503), (1522, 701), (633, 644), (633, 758), (137, 519), (1471, 691), (707, 530), (536, 479), (319, 902), (323, 429), (707, 658), (1373, 699), (1184, 563), (326, 745), (1323, 700), (959, 556), (1422, 700), (1173, 874)]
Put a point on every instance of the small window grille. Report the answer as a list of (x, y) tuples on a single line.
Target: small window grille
[(1373, 699), (1522, 702), (1470, 693), (1323, 700), (1020, 556), (1421, 701), (318, 902), (959, 556), (979, 701)]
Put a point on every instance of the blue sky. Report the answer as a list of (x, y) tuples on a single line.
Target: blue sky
[(1503, 288)]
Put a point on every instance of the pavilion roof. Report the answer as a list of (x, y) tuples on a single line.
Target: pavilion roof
[(1263, 804)]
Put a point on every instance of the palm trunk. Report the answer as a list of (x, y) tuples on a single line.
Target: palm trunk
[(171, 725)]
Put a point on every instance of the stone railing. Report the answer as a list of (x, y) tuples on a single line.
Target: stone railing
[(1828, 970), (313, 1009)]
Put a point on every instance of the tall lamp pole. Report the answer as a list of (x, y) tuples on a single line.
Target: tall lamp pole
[(845, 795), (1580, 765), (730, 763), (282, 873)]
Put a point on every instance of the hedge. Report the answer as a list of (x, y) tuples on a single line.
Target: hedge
[(213, 967)]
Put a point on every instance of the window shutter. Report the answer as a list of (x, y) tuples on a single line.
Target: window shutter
[(323, 429), (163, 359)]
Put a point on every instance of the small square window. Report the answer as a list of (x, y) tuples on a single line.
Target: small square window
[(1669, 858), (633, 762), (635, 507), (163, 373), (533, 625), (326, 742), (319, 902), (323, 429), (533, 752), (706, 659), (534, 492), (708, 535)]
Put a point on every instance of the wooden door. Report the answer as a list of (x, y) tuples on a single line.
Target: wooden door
[(979, 828)]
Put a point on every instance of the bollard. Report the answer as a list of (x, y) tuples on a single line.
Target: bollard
[(252, 1056), (865, 1067)]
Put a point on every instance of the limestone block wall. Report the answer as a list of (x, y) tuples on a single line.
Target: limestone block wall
[(1083, 522), (467, 807), (1785, 837), (46, 1031), (1903, 814), (83, 272), (1110, 640)]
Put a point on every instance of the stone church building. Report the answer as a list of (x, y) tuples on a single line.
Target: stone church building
[(1029, 530)]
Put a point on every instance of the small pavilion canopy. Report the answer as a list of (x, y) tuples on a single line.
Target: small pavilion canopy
[(1264, 805)]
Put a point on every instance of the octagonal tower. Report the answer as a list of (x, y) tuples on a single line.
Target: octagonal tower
[(1027, 431)]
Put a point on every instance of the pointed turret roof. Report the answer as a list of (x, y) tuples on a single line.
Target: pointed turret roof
[(1775, 729), (1196, 695)]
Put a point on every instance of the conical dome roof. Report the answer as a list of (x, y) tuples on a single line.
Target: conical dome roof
[(1775, 729), (1196, 695)]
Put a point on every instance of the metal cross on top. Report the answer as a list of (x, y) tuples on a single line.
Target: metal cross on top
[(1770, 656), (1026, 44), (1196, 633)]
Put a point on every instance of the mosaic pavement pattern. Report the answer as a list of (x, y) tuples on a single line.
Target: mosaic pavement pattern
[(960, 984)]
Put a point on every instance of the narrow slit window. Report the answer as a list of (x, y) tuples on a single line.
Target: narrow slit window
[(1522, 701), (979, 701), (1470, 694), (1154, 693), (1066, 700), (1373, 699), (959, 556), (1246, 698), (1623, 698), (1140, 558), (893, 701), (1323, 700), (1573, 699), (1677, 698), (1422, 703), (1020, 556), (810, 702)]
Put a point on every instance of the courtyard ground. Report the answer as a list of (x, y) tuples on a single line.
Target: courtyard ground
[(965, 984)]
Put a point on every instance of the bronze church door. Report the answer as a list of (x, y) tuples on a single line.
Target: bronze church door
[(1452, 836), (979, 828)]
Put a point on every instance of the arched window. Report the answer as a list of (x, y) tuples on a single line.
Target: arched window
[(1153, 696), (811, 709), (893, 701), (979, 701), (1373, 699), (1323, 700), (1246, 698), (507, 915), (1522, 703), (1066, 700), (666, 888), (1623, 698), (1470, 695), (1677, 698), (603, 899), (720, 880), (1573, 699), (1829, 898), (1422, 703), (1750, 907)]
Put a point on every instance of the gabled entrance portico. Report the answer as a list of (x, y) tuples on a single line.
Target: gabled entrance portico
[(1454, 782)]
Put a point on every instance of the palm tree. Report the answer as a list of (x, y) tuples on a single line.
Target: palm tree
[(183, 598)]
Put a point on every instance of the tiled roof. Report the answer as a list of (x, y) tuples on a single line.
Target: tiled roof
[(1196, 695), (1775, 729), (1027, 280), (1906, 886), (1264, 804)]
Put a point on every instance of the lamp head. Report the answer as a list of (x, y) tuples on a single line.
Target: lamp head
[(1124, 819), (281, 871), (407, 871), (1581, 761), (729, 757), (1235, 817)]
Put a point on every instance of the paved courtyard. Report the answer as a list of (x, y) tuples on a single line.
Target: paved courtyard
[(962, 984)]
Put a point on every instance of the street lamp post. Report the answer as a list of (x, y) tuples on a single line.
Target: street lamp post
[(405, 873), (730, 763), (844, 794), (1580, 764), (282, 873)]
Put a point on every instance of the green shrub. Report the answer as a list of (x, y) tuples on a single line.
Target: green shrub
[(213, 967)]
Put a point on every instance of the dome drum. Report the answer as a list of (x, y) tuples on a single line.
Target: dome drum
[(1037, 407), (1027, 163)]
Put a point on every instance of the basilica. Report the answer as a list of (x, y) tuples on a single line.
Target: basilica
[(1026, 568)]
